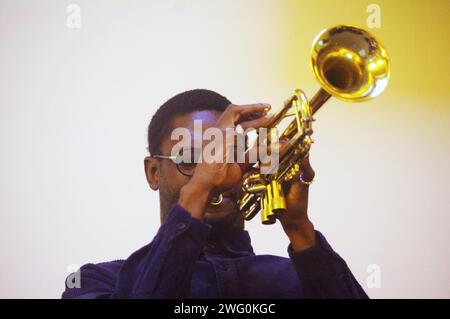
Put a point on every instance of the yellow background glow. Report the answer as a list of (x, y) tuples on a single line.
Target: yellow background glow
[(75, 103)]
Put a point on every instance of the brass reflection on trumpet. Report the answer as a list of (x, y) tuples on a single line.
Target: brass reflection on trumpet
[(351, 65)]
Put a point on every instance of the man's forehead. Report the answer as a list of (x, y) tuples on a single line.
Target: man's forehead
[(207, 118)]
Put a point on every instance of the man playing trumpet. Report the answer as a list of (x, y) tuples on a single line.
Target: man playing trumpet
[(201, 249)]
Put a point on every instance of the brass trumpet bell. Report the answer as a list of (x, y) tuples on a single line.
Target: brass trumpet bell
[(351, 65)]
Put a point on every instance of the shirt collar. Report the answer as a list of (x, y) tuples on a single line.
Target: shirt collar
[(234, 244)]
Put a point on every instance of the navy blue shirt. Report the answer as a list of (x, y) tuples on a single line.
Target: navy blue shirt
[(184, 261)]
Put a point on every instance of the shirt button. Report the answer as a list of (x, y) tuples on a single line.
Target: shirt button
[(224, 267), (181, 226)]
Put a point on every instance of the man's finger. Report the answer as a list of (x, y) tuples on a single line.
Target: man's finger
[(306, 169), (235, 113), (256, 123), (252, 108)]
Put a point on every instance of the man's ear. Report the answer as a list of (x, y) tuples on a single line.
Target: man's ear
[(152, 172)]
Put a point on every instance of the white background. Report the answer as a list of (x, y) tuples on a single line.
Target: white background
[(75, 105)]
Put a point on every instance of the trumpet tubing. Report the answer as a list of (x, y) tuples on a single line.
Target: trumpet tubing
[(349, 64)]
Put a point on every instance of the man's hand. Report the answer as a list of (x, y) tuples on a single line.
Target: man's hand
[(220, 175), (295, 221)]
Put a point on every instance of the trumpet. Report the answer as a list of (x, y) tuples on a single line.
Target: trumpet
[(349, 64)]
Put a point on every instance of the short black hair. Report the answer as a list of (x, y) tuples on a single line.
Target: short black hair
[(181, 104)]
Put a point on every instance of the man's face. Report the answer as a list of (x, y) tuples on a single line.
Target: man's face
[(223, 217)]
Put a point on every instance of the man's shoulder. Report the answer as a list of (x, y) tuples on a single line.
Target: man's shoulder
[(106, 267), (93, 280), (105, 271), (108, 271)]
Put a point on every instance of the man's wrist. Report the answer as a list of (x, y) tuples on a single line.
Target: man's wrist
[(301, 235), (194, 197)]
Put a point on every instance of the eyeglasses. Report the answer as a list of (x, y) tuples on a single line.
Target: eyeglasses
[(185, 163)]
